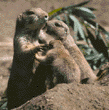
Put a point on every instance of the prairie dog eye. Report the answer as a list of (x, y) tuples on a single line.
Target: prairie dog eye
[(30, 12), (57, 24)]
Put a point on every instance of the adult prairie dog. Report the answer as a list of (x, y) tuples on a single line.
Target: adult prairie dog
[(58, 30), (64, 68), (28, 26)]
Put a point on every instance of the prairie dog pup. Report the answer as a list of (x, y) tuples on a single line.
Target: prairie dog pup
[(28, 27), (58, 30), (64, 68)]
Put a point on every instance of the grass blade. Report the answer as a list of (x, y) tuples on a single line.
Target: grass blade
[(83, 12), (82, 3), (54, 11), (100, 27), (78, 26), (98, 43), (92, 9)]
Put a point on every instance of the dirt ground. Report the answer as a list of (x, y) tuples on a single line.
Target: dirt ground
[(71, 97), (9, 9)]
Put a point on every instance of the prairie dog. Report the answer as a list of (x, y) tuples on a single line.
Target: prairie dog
[(58, 30), (28, 25), (64, 68)]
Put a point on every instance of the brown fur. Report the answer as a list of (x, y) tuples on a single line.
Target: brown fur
[(64, 68), (27, 31), (59, 30)]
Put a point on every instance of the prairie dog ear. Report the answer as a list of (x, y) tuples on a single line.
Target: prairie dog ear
[(19, 22), (19, 17)]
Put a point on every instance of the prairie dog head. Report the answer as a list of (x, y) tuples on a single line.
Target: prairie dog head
[(32, 19), (55, 29)]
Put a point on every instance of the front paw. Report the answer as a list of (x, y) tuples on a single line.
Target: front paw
[(42, 47), (40, 58)]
